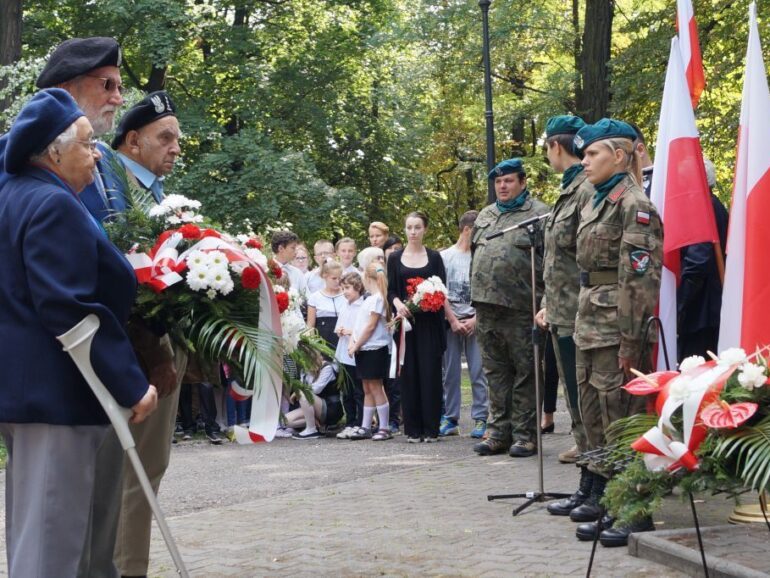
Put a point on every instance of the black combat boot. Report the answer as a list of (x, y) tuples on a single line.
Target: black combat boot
[(565, 506), (618, 535), (588, 531), (591, 510)]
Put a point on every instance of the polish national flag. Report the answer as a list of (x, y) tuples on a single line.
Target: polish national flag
[(680, 192), (746, 295), (687, 29)]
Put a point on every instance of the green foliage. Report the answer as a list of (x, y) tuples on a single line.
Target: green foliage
[(750, 449)]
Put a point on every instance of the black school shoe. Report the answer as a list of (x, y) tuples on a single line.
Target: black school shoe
[(618, 535)]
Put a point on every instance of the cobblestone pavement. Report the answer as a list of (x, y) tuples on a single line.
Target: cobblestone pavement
[(338, 508)]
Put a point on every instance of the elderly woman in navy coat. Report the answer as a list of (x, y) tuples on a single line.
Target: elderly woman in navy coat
[(56, 266)]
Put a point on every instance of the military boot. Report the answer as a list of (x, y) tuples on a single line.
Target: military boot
[(588, 531), (565, 506), (591, 510), (491, 446), (618, 535)]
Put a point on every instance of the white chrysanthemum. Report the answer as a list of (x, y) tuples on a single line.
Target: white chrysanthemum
[(159, 211), (257, 256), (242, 239), (292, 326), (237, 267), (732, 356), (752, 376), (197, 260), (217, 260), (220, 280), (691, 362), (198, 279), (211, 293), (679, 388), (173, 220)]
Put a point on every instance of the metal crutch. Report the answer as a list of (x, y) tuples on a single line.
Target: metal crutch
[(77, 342)]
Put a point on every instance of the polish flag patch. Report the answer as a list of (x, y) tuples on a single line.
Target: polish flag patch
[(642, 217)]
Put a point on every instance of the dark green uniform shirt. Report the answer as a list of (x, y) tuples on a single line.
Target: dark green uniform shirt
[(620, 251), (560, 270), (500, 268)]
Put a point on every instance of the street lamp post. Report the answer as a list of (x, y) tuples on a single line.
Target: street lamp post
[(488, 114)]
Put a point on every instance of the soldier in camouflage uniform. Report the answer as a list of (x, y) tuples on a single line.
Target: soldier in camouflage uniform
[(619, 254), (562, 283), (502, 294)]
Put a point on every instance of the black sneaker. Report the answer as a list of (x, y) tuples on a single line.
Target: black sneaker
[(187, 435), (215, 438)]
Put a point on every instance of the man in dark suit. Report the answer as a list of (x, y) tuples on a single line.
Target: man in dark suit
[(699, 296)]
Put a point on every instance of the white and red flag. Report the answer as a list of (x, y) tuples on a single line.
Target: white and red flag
[(746, 295), (687, 29), (680, 192)]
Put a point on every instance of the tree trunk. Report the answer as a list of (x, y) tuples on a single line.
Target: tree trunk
[(10, 31), (594, 59), (576, 51), (10, 39), (157, 80)]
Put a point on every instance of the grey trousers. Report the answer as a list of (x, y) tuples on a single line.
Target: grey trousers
[(455, 345), (49, 485)]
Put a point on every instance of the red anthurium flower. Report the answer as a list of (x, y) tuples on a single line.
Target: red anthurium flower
[(651, 383), (723, 415), (250, 278)]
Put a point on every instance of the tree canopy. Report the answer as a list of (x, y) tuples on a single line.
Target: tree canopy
[(327, 114)]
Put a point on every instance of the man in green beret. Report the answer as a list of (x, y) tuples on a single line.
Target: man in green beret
[(560, 272), (501, 291)]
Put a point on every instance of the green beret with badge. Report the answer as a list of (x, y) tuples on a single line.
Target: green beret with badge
[(563, 124), (507, 167), (604, 129)]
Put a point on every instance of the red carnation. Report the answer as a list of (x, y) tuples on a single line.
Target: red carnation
[(190, 231), (211, 233), (250, 278), (283, 301), (254, 244), (275, 268)]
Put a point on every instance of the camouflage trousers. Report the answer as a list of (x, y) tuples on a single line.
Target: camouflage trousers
[(565, 350), (602, 401), (506, 354)]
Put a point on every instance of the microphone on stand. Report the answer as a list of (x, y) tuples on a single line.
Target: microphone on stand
[(521, 225)]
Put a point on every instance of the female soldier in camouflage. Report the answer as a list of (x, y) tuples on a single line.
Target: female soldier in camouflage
[(619, 256)]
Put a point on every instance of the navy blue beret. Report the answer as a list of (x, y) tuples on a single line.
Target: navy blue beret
[(45, 116), (604, 129), (77, 56), (152, 107), (563, 124), (507, 167)]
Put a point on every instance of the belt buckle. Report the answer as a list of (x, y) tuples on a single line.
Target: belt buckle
[(584, 279)]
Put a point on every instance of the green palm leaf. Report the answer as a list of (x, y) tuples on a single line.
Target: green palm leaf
[(750, 446)]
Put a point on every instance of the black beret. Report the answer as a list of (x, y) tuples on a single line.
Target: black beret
[(77, 56), (44, 117), (152, 107)]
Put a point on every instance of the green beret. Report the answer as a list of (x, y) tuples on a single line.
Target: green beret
[(507, 167), (563, 124), (77, 56), (604, 129)]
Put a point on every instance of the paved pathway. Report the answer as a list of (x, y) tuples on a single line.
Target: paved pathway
[(334, 508)]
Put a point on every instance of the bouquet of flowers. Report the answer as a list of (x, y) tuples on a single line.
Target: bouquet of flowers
[(425, 295), (707, 428)]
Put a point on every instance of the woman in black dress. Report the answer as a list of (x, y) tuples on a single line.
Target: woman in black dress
[(421, 387)]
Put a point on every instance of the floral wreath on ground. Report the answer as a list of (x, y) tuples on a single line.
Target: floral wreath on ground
[(707, 428)]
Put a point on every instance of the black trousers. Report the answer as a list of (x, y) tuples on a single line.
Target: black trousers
[(551, 389), (421, 386), (698, 342), (208, 407), (353, 397)]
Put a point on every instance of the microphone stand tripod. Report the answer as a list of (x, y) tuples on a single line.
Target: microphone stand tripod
[(532, 227)]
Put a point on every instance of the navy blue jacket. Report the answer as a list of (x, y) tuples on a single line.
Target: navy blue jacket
[(56, 267), (699, 296), (92, 198)]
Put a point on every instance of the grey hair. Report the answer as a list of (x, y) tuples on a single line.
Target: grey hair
[(66, 136)]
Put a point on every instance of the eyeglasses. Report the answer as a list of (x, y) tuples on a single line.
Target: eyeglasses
[(90, 143), (300, 258), (110, 84)]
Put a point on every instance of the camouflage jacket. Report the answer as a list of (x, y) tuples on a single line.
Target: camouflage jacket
[(619, 254), (560, 270), (500, 267)]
